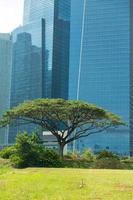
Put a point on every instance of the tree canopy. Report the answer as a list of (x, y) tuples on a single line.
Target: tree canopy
[(67, 120)]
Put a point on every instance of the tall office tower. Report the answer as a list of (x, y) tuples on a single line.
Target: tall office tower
[(100, 67), (61, 42), (40, 49), (5, 75), (57, 16)]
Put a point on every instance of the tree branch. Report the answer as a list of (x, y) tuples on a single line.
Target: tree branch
[(82, 134)]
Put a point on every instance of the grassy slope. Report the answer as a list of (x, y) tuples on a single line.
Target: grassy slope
[(64, 184)]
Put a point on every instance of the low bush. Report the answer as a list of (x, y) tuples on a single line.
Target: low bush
[(18, 162), (107, 160), (44, 158), (29, 152), (88, 155), (73, 155), (7, 152), (127, 163), (50, 158), (108, 163), (107, 154), (77, 163)]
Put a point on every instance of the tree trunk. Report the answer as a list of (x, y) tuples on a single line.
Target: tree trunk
[(61, 150)]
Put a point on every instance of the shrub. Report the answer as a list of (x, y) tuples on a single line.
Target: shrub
[(77, 163), (88, 155), (73, 155), (107, 154), (127, 163), (107, 160), (17, 161), (50, 158), (28, 150), (7, 152), (31, 153), (108, 163)]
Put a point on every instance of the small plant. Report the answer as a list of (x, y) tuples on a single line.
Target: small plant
[(18, 162), (107, 160), (7, 152), (107, 154), (88, 155), (82, 184), (73, 155), (49, 158)]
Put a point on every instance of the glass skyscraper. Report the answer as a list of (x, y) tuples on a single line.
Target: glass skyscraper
[(56, 14), (40, 47), (61, 42), (5, 79), (100, 67)]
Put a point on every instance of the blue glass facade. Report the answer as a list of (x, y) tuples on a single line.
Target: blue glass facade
[(36, 46), (99, 70), (27, 68), (36, 10), (131, 78), (61, 42), (5, 81)]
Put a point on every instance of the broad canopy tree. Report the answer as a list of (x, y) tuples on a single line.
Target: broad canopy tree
[(67, 120)]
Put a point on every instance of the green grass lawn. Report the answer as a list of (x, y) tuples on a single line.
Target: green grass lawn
[(65, 184)]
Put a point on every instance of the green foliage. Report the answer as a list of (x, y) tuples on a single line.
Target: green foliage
[(107, 154), (50, 158), (31, 153), (127, 163), (107, 160), (26, 155), (7, 152), (88, 155), (35, 139), (54, 114), (18, 162), (60, 110), (77, 163), (108, 163), (77, 160), (28, 150), (73, 155)]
